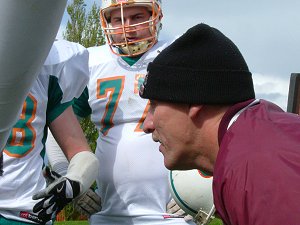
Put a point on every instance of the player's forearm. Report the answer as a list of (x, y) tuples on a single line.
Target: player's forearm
[(68, 134), (84, 165)]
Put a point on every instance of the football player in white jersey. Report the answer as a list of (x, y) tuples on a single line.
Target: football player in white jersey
[(24, 198), (133, 182), (23, 26)]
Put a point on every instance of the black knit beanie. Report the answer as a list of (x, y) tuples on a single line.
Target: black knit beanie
[(202, 66)]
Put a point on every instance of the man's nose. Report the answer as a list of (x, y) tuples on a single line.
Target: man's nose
[(148, 125), (128, 24)]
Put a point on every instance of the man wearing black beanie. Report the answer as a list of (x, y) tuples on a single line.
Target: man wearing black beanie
[(204, 113)]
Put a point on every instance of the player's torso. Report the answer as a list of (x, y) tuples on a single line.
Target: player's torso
[(24, 152), (118, 112), (268, 135), (132, 167)]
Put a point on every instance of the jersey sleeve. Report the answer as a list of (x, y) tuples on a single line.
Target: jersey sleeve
[(81, 106), (68, 62), (55, 105)]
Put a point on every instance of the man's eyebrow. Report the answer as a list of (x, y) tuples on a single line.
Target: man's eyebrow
[(133, 15)]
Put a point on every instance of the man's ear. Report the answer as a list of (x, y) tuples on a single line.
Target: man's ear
[(194, 110)]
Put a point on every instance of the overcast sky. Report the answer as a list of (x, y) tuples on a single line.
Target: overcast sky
[(267, 32)]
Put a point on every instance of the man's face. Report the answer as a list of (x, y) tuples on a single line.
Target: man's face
[(171, 126), (131, 15)]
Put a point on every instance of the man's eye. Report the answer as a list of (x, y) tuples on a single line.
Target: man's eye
[(116, 21), (138, 17)]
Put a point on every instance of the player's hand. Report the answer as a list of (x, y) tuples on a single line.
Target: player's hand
[(88, 203), (173, 208), (55, 197), (50, 175)]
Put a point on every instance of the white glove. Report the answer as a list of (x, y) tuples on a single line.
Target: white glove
[(173, 208), (88, 203)]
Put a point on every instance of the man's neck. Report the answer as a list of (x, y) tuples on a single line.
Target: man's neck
[(131, 60)]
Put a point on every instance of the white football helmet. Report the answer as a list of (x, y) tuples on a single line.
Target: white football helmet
[(137, 47), (192, 191)]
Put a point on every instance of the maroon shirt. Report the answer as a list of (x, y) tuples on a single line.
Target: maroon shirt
[(257, 171)]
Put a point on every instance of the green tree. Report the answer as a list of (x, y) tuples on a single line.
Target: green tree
[(77, 21), (92, 34), (84, 28)]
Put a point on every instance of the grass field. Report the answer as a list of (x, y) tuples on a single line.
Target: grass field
[(72, 223), (214, 222)]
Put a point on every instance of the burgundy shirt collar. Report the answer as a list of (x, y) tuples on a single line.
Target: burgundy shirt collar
[(228, 116)]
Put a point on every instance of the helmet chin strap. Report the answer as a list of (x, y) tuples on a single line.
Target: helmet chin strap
[(202, 218)]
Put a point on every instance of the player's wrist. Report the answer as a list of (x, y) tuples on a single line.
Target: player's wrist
[(84, 168)]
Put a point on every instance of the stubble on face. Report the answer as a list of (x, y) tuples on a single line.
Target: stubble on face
[(172, 130)]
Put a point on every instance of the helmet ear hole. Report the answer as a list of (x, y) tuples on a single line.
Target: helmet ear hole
[(138, 45)]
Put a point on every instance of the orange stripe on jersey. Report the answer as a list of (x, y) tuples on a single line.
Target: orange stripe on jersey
[(18, 134), (139, 126)]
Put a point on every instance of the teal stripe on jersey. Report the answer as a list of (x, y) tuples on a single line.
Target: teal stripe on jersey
[(81, 105), (55, 107), (4, 221)]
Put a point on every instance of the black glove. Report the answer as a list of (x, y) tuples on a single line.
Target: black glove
[(55, 197), (88, 203), (50, 175)]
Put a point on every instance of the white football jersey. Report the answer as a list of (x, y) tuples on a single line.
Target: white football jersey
[(63, 77), (133, 181)]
